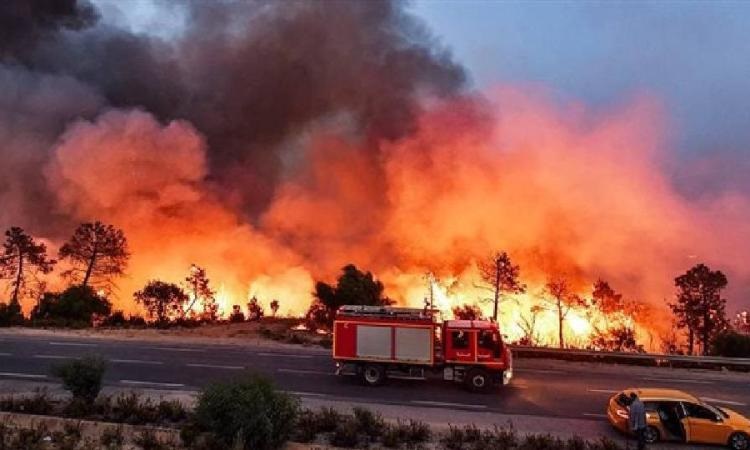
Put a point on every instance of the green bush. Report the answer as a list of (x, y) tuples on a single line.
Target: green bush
[(40, 403), (247, 413), (368, 423), (76, 306), (346, 434), (328, 419), (10, 314), (306, 427), (82, 377), (731, 344), (112, 438)]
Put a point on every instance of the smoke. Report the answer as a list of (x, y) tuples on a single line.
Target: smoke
[(272, 143)]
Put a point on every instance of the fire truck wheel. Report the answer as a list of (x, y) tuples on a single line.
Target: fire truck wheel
[(373, 375), (478, 380)]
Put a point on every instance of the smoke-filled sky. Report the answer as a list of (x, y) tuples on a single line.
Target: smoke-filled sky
[(274, 142)]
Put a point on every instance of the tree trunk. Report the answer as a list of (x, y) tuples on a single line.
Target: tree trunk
[(89, 269), (19, 279), (691, 340), (560, 324), (705, 334), (497, 292)]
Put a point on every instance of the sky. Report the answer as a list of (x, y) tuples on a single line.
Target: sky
[(693, 56)]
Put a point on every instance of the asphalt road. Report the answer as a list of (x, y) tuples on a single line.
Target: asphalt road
[(540, 388)]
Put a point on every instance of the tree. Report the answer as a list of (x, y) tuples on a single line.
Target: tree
[(163, 301), (699, 306), (237, 314), (254, 309), (22, 258), (620, 339), (97, 253), (77, 305), (558, 288), (198, 286), (500, 276), (606, 300), (742, 322), (353, 287), (467, 312), (274, 307), (527, 323)]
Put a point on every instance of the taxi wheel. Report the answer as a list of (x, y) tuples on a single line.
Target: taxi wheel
[(739, 441), (478, 380), (373, 375), (651, 435)]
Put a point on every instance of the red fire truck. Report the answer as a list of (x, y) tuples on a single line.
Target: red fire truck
[(376, 343)]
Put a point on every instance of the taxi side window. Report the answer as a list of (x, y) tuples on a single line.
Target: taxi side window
[(460, 339), (700, 412)]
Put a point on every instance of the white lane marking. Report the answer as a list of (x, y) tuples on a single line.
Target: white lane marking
[(283, 355), (178, 349), (53, 357), (675, 380), (547, 371), (22, 375), (136, 361), (723, 402), (216, 366), (73, 344), (599, 415), (313, 372), (450, 405), (603, 391), (305, 394), (150, 383), (6, 354)]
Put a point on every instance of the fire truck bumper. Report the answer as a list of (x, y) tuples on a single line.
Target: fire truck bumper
[(507, 375)]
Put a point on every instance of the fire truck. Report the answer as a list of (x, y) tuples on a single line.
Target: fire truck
[(380, 342)]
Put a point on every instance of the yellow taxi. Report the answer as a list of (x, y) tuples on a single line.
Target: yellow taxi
[(673, 415)]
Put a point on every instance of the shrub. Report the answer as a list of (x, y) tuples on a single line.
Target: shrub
[(368, 423), (75, 306), (731, 344), (10, 314), (306, 427), (82, 377), (116, 319), (346, 434), (249, 412), (328, 419), (147, 440), (171, 411), (112, 438)]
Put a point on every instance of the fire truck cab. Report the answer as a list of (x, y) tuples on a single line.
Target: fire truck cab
[(377, 343)]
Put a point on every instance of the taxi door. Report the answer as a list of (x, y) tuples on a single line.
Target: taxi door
[(705, 426)]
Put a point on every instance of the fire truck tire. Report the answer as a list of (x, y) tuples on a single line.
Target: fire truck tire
[(478, 380), (373, 375)]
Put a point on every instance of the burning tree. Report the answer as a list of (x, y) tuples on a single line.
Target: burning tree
[(564, 300), (22, 258), (254, 309), (606, 300), (467, 312), (198, 286), (97, 253), (699, 306), (353, 287), (163, 301), (499, 275), (527, 323)]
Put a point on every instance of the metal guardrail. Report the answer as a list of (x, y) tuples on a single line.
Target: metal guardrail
[(644, 359)]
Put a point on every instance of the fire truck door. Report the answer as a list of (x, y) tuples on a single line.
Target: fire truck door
[(461, 345)]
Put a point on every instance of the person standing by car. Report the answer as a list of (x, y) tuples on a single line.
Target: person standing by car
[(637, 420)]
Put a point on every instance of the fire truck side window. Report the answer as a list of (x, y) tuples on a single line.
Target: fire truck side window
[(488, 340), (460, 339)]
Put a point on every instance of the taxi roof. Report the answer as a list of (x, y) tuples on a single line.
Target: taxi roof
[(662, 394)]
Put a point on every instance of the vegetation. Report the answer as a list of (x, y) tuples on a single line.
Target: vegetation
[(163, 301), (75, 306), (699, 306), (564, 299), (500, 276), (22, 258), (731, 344), (248, 413), (198, 285), (467, 312), (10, 314), (82, 377), (254, 309), (97, 253), (353, 287)]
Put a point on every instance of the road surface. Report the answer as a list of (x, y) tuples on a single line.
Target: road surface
[(574, 394)]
